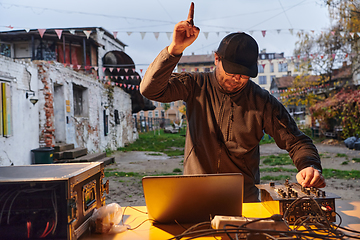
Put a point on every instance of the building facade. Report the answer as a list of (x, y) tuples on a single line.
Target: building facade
[(49, 99)]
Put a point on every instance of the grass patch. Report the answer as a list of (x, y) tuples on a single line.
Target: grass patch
[(356, 159), (341, 155), (154, 154), (275, 178), (178, 170), (168, 143), (278, 169), (266, 139), (281, 159), (341, 174), (345, 163)]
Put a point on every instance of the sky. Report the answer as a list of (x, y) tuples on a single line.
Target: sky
[(273, 23)]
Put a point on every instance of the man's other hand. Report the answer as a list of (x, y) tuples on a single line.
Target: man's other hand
[(310, 177), (185, 33)]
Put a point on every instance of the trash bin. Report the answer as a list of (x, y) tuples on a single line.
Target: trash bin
[(42, 155)]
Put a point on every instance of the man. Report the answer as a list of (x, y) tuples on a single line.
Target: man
[(227, 113)]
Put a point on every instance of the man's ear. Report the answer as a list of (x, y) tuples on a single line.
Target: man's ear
[(217, 59)]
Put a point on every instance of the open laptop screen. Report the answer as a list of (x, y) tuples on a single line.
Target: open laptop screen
[(193, 198)]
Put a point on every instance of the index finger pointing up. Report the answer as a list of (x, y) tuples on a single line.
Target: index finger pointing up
[(191, 14)]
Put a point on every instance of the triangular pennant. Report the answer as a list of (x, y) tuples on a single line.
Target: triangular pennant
[(133, 69), (71, 65), (96, 68), (115, 34), (58, 32), (41, 32), (263, 65), (168, 34), (352, 34), (87, 33), (141, 70), (142, 34), (342, 34), (116, 77), (118, 69), (11, 27), (291, 31), (78, 66), (126, 70), (72, 31), (206, 34), (101, 34), (122, 77), (64, 64), (104, 68), (129, 33), (217, 33), (156, 34), (137, 87), (333, 33), (278, 31), (137, 76), (251, 32), (111, 69), (127, 77), (27, 30), (120, 84), (263, 32)]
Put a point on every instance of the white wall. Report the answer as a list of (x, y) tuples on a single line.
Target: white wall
[(16, 149)]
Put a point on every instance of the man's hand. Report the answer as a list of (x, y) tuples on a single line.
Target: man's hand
[(310, 177), (185, 33)]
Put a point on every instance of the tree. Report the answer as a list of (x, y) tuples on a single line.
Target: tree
[(304, 91), (321, 53), (342, 109)]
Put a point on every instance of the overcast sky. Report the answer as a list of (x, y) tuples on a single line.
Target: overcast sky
[(136, 21)]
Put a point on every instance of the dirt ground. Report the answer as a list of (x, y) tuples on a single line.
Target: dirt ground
[(127, 191)]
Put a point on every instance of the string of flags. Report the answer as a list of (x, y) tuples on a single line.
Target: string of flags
[(295, 92), (206, 34)]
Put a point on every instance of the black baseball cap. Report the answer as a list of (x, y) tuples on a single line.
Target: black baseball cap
[(239, 53)]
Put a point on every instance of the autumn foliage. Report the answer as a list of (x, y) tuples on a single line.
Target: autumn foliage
[(342, 109)]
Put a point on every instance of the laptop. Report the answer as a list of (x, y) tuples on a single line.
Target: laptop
[(193, 198)]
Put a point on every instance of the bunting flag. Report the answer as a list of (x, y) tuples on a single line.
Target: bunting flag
[(72, 31), (291, 31), (156, 34), (115, 34), (58, 32), (41, 32), (101, 34), (27, 30), (263, 32), (206, 34), (278, 31), (11, 27), (87, 33), (169, 35), (142, 35), (129, 33)]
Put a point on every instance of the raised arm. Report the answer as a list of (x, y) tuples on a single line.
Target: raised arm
[(184, 34)]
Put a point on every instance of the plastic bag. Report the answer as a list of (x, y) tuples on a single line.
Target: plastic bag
[(107, 218)]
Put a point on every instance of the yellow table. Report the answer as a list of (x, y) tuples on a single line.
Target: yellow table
[(146, 230)]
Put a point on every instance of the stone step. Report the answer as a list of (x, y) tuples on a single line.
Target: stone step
[(92, 157), (107, 160), (61, 147), (58, 155), (75, 153)]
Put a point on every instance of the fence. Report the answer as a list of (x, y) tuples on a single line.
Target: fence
[(145, 124)]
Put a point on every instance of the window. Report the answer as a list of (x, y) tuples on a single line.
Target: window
[(172, 104), (5, 49), (272, 77), (80, 101), (206, 69), (261, 68), (162, 113), (150, 114), (5, 109), (271, 56), (283, 67), (156, 113), (271, 67), (156, 104), (262, 79)]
